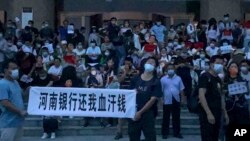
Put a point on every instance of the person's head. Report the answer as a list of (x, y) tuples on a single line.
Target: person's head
[(45, 52), (212, 43), (57, 62), (202, 54), (70, 47), (152, 39), (68, 73), (31, 23), (42, 74), (126, 23), (65, 23), (113, 20), (216, 64), (150, 65), (142, 25), (46, 24), (128, 62), (93, 71), (244, 66), (171, 28), (225, 42), (79, 46), (93, 43), (110, 63), (11, 70), (171, 70), (163, 52), (136, 29), (226, 17), (94, 30), (233, 69), (10, 42), (106, 39), (158, 22)]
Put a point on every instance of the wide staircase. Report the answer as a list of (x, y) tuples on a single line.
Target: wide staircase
[(74, 127)]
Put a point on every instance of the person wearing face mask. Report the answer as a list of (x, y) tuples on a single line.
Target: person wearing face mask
[(94, 36), (107, 45), (12, 50), (93, 53), (159, 31), (11, 104), (79, 50), (226, 28), (212, 101), (126, 27), (173, 89), (245, 74), (47, 58), (148, 89), (236, 102), (56, 70), (46, 32), (200, 63), (212, 49), (172, 34), (93, 80), (113, 29), (28, 48)]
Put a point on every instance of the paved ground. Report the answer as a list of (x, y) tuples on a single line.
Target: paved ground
[(107, 138)]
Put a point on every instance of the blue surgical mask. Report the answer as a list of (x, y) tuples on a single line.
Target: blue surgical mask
[(202, 56), (171, 72), (218, 68), (149, 67), (225, 44), (206, 68)]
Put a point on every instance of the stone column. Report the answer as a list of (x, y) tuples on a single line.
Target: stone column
[(217, 8)]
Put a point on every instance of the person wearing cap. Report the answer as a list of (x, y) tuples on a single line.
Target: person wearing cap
[(94, 36)]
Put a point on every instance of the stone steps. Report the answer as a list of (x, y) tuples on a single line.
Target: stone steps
[(73, 127)]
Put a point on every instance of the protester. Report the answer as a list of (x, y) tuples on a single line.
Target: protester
[(11, 104), (211, 101), (148, 91), (172, 87)]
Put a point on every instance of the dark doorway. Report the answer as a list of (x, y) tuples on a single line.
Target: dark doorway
[(96, 20)]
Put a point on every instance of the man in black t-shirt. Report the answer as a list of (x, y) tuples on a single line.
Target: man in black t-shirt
[(148, 89), (212, 101)]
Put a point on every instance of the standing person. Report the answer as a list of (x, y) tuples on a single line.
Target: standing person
[(159, 31), (112, 29), (148, 91), (172, 87), (236, 104), (245, 74), (211, 101), (11, 104)]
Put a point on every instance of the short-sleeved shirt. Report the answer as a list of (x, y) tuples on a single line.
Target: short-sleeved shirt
[(213, 88), (95, 51), (172, 88), (145, 90), (11, 91)]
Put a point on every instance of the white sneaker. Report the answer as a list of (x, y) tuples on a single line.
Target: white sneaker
[(53, 135), (45, 135)]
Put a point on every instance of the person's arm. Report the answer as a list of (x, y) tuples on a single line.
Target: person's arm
[(203, 101), (146, 107), (50, 84), (8, 105)]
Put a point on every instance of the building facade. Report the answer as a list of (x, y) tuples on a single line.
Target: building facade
[(87, 12)]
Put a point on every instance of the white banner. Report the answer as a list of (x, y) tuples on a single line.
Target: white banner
[(54, 101)]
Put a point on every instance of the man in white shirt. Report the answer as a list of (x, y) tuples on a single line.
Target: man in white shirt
[(212, 49), (56, 69), (200, 63), (172, 87), (93, 52), (191, 30)]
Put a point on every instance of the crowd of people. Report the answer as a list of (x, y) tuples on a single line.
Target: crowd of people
[(164, 64)]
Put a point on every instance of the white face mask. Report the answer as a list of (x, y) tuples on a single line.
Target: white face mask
[(93, 72), (15, 74)]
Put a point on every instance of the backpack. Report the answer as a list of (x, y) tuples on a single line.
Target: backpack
[(193, 102)]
